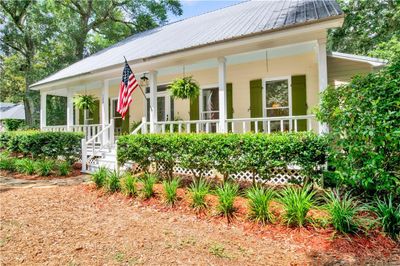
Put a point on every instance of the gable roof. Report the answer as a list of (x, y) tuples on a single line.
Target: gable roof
[(240, 20), (373, 61)]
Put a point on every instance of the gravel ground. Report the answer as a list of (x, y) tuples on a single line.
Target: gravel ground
[(74, 225)]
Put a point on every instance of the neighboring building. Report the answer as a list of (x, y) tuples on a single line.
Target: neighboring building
[(261, 66), (11, 111)]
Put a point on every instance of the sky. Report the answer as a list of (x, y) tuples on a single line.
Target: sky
[(196, 7)]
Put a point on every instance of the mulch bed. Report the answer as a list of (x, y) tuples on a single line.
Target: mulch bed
[(319, 240), (75, 171)]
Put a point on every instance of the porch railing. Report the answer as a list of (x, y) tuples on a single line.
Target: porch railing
[(88, 130), (234, 125)]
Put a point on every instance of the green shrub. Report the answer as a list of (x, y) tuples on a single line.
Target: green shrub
[(7, 164), (148, 182), (228, 153), (64, 168), (259, 200), (297, 201), (112, 182), (364, 135), (100, 176), (343, 210), (198, 191), (226, 197), (170, 189), (26, 166), (128, 185), (13, 124), (44, 167), (388, 212), (39, 144)]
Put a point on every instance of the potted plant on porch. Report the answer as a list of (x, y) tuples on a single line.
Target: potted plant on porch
[(85, 102), (184, 88)]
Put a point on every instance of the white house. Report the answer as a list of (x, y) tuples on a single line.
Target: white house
[(261, 66)]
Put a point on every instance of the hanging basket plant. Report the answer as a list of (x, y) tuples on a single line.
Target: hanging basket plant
[(184, 88), (85, 102)]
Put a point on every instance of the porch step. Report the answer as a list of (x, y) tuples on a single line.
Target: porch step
[(106, 157)]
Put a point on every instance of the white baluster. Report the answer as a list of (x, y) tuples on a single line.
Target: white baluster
[(256, 126), (269, 126), (187, 127), (295, 125), (84, 155), (244, 126), (197, 127), (207, 127), (308, 124), (281, 125), (180, 128), (163, 128)]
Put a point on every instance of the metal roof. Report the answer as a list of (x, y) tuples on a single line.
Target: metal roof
[(373, 61), (12, 111), (235, 21)]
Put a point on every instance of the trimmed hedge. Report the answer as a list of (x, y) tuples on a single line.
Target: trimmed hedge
[(227, 153), (39, 144)]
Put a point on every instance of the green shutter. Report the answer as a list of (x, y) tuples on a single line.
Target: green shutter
[(299, 99), (96, 113), (194, 111), (229, 104), (81, 122), (125, 123), (256, 100)]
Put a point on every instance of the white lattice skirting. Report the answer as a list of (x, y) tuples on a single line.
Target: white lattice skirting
[(279, 176)]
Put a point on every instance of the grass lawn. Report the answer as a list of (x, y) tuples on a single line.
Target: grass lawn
[(78, 225)]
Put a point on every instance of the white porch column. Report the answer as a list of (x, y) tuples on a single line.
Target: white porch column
[(222, 94), (70, 110), (43, 111), (322, 76), (105, 108), (153, 100)]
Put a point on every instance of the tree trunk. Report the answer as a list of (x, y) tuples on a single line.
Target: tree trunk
[(27, 106)]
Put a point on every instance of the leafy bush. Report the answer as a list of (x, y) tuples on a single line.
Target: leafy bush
[(228, 153), (112, 181), (226, 197), (184, 88), (259, 200), (364, 122), (297, 201), (7, 164), (128, 185), (170, 189), (198, 191), (388, 212), (148, 183), (44, 167), (343, 211), (100, 176), (26, 166), (64, 168), (39, 144), (13, 124)]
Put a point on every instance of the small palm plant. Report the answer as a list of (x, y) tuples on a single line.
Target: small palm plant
[(100, 176), (198, 191), (128, 185), (388, 212), (26, 166), (148, 183), (343, 210), (112, 182), (170, 190), (259, 200), (44, 167), (64, 168), (226, 197), (297, 201)]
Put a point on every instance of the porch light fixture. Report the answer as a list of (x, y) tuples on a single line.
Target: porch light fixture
[(144, 81)]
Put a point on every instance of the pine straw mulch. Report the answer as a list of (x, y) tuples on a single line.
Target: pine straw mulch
[(82, 225)]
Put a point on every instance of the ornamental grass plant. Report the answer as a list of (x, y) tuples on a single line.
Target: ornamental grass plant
[(148, 181), (170, 190), (259, 199), (198, 191), (128, 185), (99, 176), (227, 193)]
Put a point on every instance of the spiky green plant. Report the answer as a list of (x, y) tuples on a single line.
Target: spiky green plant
[(100, 176), (112, 181), (7, 164), (64, 168), (148, 182), (259, 200), (297, 201), (226, 197), (170, 190), (128, 185), (26, 166), (388, 212), (343, 211), (44, 167), (198, 191)]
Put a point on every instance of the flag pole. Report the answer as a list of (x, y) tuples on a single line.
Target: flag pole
[(140, 87)]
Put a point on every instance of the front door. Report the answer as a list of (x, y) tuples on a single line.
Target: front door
[(209, 106), (277, 101), (165, 108)]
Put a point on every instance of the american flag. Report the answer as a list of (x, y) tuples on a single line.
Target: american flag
[(126, 88)]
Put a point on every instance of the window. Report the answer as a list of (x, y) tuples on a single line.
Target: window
[(277, 98), (210, 104)]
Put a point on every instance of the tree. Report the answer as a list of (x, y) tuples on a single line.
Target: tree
[(367, 24)]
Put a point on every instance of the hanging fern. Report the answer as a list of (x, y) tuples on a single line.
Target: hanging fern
[(85, 102), (184, 88)]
